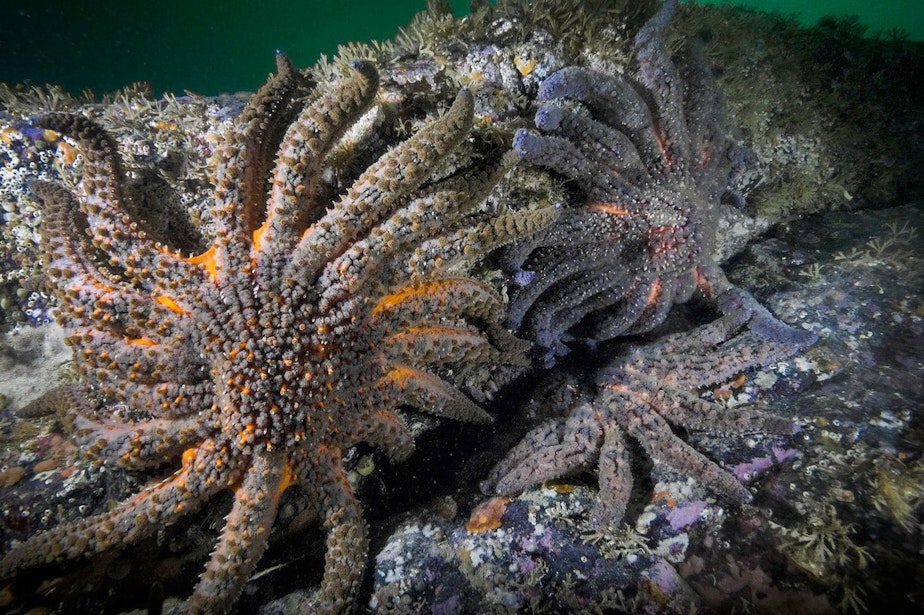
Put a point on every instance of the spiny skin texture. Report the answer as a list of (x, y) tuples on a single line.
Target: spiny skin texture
[(651, 154), (257, 364), (653, 158), (641, 394)]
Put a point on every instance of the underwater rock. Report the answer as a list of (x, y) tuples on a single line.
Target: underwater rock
[(835, 521)]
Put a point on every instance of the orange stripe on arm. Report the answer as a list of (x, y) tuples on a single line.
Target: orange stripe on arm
[(207, 261), (609, 208)]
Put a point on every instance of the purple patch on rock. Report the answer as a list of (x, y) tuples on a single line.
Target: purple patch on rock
[(450, 606), (682, 516), (748, 470), (664, 576), (31, 132), (782, 454)]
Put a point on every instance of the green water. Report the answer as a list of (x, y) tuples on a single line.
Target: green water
[(876, 15), (220, 46)]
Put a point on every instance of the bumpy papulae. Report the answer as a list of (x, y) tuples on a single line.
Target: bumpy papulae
[(650, 152), (257, 364)]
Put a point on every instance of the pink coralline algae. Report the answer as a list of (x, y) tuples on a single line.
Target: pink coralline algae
[(684, 515)]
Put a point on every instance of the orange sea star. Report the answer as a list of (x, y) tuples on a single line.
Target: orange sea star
[(258, 363)]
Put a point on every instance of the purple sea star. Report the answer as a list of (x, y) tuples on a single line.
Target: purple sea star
[(652, 156)]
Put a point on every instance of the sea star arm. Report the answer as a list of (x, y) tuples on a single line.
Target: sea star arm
[(609, 324), (476, 185), (137, 257), (141, 359), (658, 73), (472, 242), (98, 295), (560, 272), (169, 400), (688, 410), (441, 344), (347, 533), (560, 154), (379, 189), (244, 536), (136, 445), (607, 150), (433, 300), (201, 476), (242, 161), (432, 394), (762, 322), (292, 203), (420, 304), (600, 288), (544, 435), (386, 430), (620, 105), (438, 215), (552, 452), (656, 437), (421, 218), (704, 110), (615, 476)]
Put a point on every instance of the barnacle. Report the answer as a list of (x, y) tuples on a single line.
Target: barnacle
[(257, 364)]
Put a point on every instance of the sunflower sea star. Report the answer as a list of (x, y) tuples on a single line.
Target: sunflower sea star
[(656, 164), (258, 363), (643, 393), (652, 156)]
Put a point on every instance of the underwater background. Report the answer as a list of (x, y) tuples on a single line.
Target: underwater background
[(831, 240), (210, 47)]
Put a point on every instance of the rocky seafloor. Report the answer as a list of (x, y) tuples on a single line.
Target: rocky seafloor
[(835, 521), (832, 240)]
